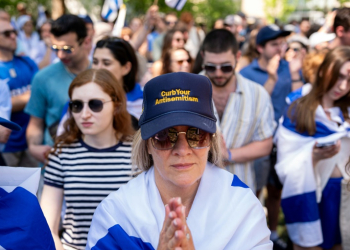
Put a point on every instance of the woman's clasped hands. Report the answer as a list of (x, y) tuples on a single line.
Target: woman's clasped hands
[(175, 234)]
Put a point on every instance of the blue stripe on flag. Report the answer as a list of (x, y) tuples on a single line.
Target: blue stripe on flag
[(178, 2), (117, 238), (321, 129), (23, 225), (300, 208), (236, 182)]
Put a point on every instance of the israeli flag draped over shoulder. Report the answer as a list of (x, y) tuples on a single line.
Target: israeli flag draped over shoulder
[(303, 184), (22, 223), (110, 9), (225, 214)]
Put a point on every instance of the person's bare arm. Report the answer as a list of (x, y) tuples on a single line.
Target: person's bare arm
[(46, 60), (35, 135), (20, 101), (251, 151), (140, 36), (51, 204), (4, 134)]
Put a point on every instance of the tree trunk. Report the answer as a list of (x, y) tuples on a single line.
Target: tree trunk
[(58, 8)]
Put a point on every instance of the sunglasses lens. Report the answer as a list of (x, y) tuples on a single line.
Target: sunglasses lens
[(197, 138), (226, 68), (96, 105), (164, 139), (76, 106), (209, 68), (68, 51)]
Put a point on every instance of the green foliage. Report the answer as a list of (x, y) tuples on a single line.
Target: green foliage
[(280, 9), (32, 6), (205, 11)]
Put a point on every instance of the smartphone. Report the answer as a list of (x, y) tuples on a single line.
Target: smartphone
[(326, 144)]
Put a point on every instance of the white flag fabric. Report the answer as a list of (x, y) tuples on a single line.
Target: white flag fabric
[(225, 214), (41, 16), (22, 223), (110, 9), (176, 4), (302, 183)]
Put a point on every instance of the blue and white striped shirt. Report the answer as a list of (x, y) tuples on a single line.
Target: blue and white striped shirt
[(87, 175)]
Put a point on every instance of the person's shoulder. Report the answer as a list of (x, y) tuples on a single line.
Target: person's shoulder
[(228, 179), (249, 68), (52, 70), (26, 62)]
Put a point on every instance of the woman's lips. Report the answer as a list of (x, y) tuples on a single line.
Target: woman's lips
[(86, 124), (182, 165)]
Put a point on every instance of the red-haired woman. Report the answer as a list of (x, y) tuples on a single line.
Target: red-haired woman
[(90, 159)]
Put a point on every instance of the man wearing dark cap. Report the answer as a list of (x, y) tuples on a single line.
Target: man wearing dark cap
[(279, 79)]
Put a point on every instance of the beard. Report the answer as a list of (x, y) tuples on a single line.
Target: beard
[(223, 84)]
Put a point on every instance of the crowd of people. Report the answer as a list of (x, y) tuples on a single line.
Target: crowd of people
[(260, 106)]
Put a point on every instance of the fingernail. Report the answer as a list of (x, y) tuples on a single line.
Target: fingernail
[(175, 223), (179, 200), (177, 234), (170, 215)]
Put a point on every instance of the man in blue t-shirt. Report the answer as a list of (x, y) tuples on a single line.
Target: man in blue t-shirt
[(50, 86), (17, 72), (279, 78)]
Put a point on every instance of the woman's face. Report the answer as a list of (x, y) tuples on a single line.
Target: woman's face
[(181, 166), (89, 122), (342, 86), (180, 61), (104, 59), (178, 41), (45, 30)]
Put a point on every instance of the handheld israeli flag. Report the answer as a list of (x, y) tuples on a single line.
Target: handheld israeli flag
[(176, 4), (22, 223), (41, 16), (110, 9), (302, 183)]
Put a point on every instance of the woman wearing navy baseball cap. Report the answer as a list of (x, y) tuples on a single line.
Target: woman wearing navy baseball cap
[(183, 199)]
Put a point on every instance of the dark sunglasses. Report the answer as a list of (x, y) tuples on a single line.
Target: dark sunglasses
[(179, 39), (225, 68), (168, 23), (294, 49), (7, 33), (95, 105), (65, 48), (180, 62), (167, 138)]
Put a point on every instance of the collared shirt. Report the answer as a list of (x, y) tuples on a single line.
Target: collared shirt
[(282, 88), (248, 117)]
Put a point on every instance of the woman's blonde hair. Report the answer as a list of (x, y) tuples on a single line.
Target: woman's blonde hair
[(142, 160)]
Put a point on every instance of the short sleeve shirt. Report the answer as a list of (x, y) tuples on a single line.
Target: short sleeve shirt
[(49, 95)]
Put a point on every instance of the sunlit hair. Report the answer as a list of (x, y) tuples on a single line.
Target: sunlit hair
[(251, 53), (302, 111), (142, 160), (166, 60), (311, 63), (168, 40), (110, 85)]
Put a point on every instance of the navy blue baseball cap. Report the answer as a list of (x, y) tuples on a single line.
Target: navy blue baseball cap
[(270, 32), (177, 99), (10, 125)]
